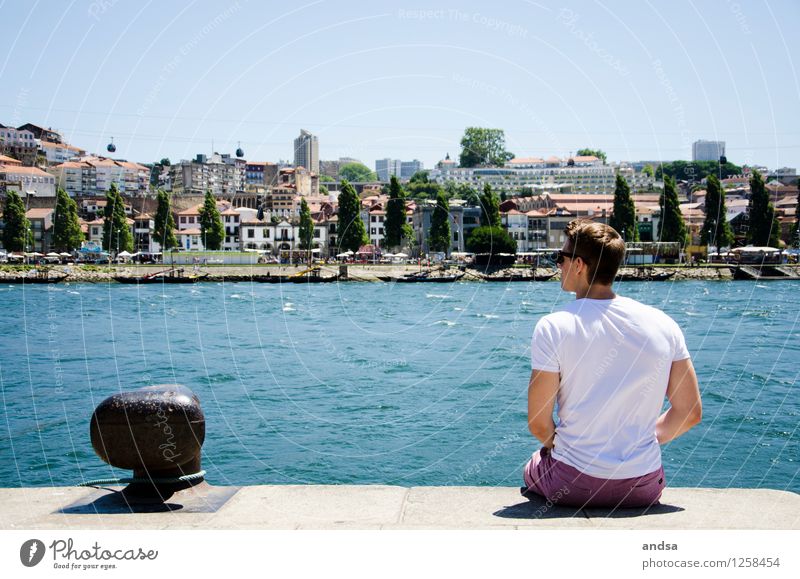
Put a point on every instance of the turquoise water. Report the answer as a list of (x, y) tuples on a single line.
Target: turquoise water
[(404, 384)]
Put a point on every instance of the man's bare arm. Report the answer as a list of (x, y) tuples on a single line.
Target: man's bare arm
[(542, 391), (686, 408)]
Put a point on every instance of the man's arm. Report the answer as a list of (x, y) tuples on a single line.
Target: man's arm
[(542, 390), (685, 407)]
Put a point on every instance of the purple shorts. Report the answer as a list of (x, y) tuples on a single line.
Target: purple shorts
[(565, 485)]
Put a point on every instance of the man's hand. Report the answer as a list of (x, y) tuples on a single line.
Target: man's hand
[(542, 391)]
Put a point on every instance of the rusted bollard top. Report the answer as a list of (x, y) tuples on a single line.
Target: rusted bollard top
[(154, 431)]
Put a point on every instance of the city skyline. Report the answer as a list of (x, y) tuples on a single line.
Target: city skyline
[(402, 82)]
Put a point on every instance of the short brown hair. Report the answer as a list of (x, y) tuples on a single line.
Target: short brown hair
[(599, 246)]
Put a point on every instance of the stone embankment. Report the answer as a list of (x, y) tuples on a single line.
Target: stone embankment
[(366, 273)]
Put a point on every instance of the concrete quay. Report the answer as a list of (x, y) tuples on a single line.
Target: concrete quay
[(373, 507)]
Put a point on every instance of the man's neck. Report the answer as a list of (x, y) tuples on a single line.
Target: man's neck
[(595, 292)]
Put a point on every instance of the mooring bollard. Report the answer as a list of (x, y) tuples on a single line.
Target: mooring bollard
[(157, 432)]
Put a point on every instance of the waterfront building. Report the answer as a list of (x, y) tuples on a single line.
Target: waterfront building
[(463, 219), (19, 143), (41, 220), (708, 150), (306, 151), (143, 238), (27, 181)]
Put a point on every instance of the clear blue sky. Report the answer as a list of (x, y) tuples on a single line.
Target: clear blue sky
[(641, 80)]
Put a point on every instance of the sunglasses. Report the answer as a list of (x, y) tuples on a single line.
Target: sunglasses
[(562, 255)]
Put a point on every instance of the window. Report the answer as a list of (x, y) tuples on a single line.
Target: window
[(316, 233)]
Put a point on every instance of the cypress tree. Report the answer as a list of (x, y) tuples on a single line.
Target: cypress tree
[(306, 226), (164, 227), (117, 235), (671, 227), (490, 207), (352, 233), (716, 229), (67, 234), (395, 226), (439, 235), (764, 228), (211, 229), (17, 229), (624, 217)]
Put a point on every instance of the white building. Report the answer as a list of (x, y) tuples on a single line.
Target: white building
[(387, 168), (28, 180), (57, 153)]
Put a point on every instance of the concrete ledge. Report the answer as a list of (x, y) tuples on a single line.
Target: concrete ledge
[(391, 507)]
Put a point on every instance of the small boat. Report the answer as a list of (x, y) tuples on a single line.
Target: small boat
[(314, 279), (33, 279), (167, 276), (644, 276)]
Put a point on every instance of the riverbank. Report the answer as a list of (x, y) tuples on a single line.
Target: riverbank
[(374, 507), (354, 272)]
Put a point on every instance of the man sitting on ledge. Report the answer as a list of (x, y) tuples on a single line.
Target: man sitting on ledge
[(608, 361)]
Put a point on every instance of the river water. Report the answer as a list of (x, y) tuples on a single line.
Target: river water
[(406, 384)]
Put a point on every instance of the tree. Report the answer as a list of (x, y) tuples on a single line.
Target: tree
[(592, 153), (764, 228), (648, 170), (356, 172), (395, 226), (419, 177), (490, 207), (671, 226), (211, 230), (491, 240), (439, 234), (67, 234), (17, 233), (306, 226), (117, 235), (624, 216), (164, 227), (352, 233), (716, 229), (692, 170), (326, 179), (323, 190), (481, 147)]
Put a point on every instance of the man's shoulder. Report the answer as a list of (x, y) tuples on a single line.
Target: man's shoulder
[(637, 308)]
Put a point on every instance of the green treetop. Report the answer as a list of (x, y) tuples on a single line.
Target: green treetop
[(716, 229), (395, 227), (671, 226), (352, 233), (624, 216), (490, 207), (17, 233), (164, 226), (357, 173), (67, 234), (211, 230), (493, 240), (439, 234), (306, 226), (481, 147), (117, 235), (764, 228)]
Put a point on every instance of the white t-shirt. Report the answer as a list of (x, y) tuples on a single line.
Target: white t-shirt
[(614, 357)]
